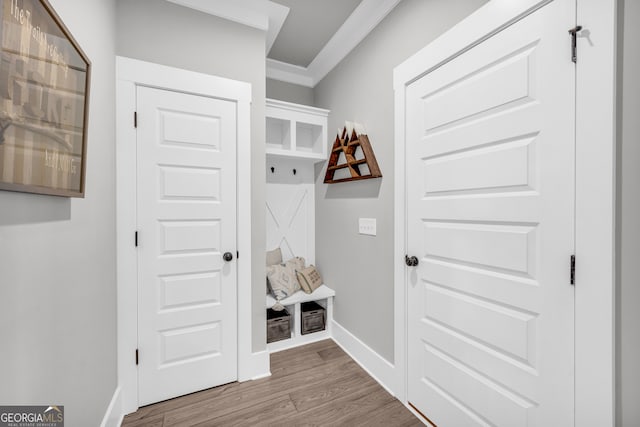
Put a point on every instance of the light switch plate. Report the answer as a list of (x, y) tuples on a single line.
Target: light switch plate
[(367, 226)]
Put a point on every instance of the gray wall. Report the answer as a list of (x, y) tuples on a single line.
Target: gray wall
[(165, 33), (289, 92), (57, 260), (360, 89), (628, 337)]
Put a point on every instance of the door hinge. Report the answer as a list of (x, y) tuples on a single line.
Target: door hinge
[(136, 239), (135, 119), (237, 254), (137, 357), (574, 42), (572, 279)]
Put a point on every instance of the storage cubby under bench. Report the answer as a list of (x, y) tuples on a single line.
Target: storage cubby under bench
[(293, 304)]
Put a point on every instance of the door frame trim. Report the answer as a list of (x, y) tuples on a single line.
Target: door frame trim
[(131, 73), (595, 190)]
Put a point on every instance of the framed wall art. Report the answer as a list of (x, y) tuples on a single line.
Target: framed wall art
[(44, 100)]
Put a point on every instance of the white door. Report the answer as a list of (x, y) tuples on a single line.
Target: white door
[(186, 209), (490, 172)]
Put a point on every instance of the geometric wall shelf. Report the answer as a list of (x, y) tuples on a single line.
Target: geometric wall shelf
[(351, 157)]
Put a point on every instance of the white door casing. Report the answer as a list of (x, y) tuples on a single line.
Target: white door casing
[(490, 147), (186, 221), (132, 74)]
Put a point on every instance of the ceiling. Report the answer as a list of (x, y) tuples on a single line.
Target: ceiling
[(305, 38), (310, 24)]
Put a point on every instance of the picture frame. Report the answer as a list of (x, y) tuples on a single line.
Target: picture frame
[(44, 102)]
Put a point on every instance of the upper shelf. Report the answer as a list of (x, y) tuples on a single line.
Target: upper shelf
[(296, 131)]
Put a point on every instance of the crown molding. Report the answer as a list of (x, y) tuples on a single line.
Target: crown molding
[(277, 14), (260, 14), (285, 72), (358, 25), (247, 12), (268, 16)]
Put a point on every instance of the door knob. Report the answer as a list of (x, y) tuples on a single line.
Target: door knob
[(228, 256), (410, 261)]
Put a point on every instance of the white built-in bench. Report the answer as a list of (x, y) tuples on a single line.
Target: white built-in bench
[(323, 296), (296, 139)]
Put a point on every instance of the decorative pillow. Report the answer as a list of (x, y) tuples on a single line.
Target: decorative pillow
[(274, 257), (309, 279), (297, 263), (282, 280)]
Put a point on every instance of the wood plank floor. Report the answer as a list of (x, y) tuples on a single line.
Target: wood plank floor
[(314, 385)]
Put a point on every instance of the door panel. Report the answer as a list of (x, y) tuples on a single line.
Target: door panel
[(490, 202), (186, 221)]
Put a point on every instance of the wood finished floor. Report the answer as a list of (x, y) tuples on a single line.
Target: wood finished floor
[(314, 385)]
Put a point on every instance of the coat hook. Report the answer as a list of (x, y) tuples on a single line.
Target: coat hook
[(273, 169), (295, 171)]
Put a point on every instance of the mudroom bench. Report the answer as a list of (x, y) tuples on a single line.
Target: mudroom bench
[(294, 306)]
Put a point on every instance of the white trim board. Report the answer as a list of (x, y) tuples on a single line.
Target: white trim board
[(288, 344), (357, 26), (595, 189), (260, 14), (252, 13), (376, 366), (284, 72), (129, 74), (113, 416), (595, 218), (260, 365), (270, 16)]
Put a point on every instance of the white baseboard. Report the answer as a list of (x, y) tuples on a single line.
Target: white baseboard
[(287, 344), (375, 365), (260, 365), (113, 417)]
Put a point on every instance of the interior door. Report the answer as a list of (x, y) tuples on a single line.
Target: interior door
[(186, 210), (490, 202)]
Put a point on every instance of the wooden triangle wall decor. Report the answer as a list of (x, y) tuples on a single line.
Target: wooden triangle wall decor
[(359, 164)]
